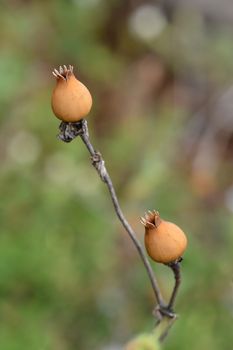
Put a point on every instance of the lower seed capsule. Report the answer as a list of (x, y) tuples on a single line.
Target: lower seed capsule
[(165, 242)]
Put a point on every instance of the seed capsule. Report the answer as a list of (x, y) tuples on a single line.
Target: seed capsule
[(71, 100), (165, 242)]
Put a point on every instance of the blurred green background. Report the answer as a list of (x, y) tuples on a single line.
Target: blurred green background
[(160, 73)]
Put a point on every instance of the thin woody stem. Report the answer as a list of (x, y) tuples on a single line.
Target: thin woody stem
[(175, 266), (98, 163), (68, 131)]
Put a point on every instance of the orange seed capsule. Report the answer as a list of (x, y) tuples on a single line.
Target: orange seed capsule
[(165, 242), (71, 100)]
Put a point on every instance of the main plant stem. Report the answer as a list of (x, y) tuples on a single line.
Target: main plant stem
[(68, 131), (98, 163)]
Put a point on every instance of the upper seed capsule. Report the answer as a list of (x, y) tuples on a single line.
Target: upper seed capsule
[(71, 100), (165, 242)]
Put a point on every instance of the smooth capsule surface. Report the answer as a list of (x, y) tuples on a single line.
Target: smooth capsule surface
[(71, 100)]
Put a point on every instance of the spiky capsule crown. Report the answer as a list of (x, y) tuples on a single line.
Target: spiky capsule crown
[(151, 219), (63, 72)]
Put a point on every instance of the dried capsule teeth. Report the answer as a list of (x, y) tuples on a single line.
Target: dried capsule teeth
[(143, 221), (150, 225), (54, 74), (58, 74), (61, 69), (156, 212)]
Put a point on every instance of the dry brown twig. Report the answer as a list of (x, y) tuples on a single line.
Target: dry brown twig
[(69, 131)]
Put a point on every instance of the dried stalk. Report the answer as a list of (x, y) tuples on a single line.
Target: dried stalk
[(175, 266), (68, 131)]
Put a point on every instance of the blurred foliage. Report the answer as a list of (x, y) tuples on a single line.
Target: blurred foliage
[(143, 342), (161, 78)]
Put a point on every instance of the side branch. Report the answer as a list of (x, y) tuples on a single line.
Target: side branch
[(175, 266)]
